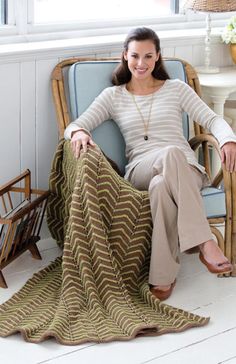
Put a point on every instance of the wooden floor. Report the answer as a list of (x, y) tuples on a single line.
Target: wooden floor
[(196, 290)]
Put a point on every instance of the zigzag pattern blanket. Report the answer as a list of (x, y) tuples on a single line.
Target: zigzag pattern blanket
[(98, 291)]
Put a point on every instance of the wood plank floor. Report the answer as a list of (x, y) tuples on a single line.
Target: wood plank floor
[(196, 290)]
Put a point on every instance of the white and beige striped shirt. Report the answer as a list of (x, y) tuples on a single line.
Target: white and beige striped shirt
[(165, 127)]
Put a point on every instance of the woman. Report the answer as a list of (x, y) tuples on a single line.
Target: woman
[(147, 106)]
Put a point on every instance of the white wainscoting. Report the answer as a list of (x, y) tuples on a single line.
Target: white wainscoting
[(28, 135)]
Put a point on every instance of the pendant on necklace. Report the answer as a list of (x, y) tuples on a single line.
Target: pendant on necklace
[(145, 137)]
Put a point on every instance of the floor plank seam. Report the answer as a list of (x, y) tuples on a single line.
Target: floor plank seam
[(190, 345), (203, 306), (66, 354), (227, 360)]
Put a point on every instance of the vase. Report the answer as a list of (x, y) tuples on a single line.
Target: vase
[(233, 51)]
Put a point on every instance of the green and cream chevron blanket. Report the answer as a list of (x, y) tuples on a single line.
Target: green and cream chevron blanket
[(98, 291)]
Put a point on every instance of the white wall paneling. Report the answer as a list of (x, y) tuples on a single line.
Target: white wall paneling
[(102, 55), (10, 136), (46, 127), (28, 120), (184, 52), (168, 52), (198, 55), (28, 129)]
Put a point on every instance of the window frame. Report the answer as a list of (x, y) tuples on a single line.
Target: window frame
[(3, 13), (21, 25)]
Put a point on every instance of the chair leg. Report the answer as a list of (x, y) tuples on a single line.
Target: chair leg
[(3, 283), (228, 243), (233, 274)]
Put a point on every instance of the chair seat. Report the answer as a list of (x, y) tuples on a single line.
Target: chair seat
[(214, 202)]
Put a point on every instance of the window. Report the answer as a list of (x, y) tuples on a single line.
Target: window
[(3, 8), (29, 20), (54, 11)]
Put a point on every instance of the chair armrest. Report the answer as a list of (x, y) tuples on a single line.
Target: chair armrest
[(205, 140), (200, 138)]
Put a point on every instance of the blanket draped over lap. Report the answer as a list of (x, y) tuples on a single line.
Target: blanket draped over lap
[(98, 290)]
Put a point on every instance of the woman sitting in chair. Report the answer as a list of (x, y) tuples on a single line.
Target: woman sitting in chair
[(148, 106)]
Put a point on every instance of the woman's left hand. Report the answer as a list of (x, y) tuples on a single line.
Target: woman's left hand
[(228, 156)]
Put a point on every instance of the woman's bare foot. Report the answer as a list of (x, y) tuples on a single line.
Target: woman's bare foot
[(212, 256)]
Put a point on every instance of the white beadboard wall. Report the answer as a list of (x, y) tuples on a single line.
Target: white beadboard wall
[(28, 135)]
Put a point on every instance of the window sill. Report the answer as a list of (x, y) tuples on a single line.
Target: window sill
[(105, 44)]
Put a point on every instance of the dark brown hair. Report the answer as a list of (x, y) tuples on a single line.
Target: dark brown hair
[(122, 74)]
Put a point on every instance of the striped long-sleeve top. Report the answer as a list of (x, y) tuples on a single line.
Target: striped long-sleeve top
[(165, 126)]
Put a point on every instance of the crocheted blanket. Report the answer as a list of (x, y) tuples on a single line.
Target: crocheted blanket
[(98, 291)]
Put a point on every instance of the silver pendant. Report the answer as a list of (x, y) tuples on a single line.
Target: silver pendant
[(145, 137)]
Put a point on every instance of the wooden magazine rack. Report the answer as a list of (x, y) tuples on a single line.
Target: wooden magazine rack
[(21, 221)]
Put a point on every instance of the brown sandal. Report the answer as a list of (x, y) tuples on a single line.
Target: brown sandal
[(163, 295), (215, 268)]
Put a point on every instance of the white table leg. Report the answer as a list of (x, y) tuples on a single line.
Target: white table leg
[(218, 104)]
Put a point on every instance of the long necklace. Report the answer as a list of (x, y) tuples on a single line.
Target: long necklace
[(145, 122)]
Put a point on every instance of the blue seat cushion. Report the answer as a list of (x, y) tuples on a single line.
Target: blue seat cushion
[(214, 202)]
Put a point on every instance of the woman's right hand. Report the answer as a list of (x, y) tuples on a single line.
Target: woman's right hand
[(80, 140)]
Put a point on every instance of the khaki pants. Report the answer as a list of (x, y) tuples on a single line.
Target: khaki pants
[(179, 221)]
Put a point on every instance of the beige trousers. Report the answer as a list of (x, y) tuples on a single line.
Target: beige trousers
[(179, 221)]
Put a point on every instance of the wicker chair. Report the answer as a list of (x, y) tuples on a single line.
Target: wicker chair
[(201, 139)]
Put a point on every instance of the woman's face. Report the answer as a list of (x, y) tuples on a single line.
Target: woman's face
[(141, 57)]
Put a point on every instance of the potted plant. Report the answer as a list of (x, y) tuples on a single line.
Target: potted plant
[(229, 36)]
